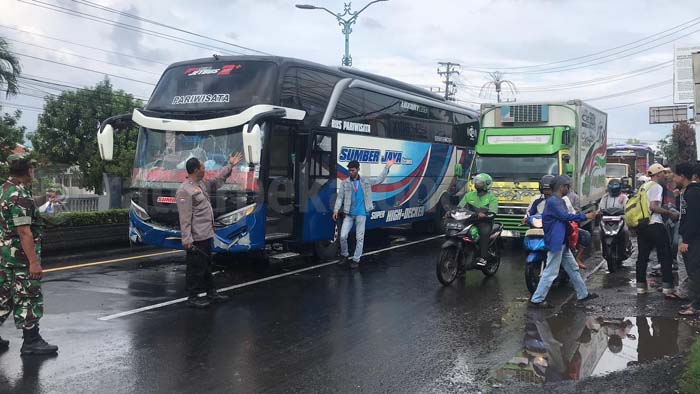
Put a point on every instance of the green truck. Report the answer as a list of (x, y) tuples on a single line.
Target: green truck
[(519, 143)]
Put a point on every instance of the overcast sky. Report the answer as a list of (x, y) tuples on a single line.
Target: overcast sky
[(403, 39)]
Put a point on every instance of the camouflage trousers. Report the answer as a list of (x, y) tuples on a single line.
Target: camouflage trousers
[(21, 296)]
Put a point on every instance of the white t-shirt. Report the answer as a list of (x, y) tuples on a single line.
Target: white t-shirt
[(569, 205), (655, 193)]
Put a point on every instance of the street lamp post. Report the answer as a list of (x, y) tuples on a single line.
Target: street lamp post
[(345, 20)]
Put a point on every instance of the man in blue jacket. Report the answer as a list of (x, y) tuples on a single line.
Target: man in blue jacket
[(554, 220), (355, 196)]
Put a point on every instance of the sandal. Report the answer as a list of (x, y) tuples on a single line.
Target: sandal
[(674, 297), (689, 312)]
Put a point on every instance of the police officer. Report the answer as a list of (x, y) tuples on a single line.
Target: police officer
[(197, 227), (20, 257)]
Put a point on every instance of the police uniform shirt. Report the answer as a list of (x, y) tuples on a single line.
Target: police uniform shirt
[(195, 210)]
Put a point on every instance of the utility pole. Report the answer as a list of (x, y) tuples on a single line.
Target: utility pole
[(450, 86)]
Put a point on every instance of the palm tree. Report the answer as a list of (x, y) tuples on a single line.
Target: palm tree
[(497, 83), (9, 70)]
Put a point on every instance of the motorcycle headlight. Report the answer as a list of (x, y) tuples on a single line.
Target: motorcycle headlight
[(233, 217), (461, 215), (140, 212)]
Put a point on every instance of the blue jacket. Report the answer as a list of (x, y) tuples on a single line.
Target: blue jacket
[(554, 220)]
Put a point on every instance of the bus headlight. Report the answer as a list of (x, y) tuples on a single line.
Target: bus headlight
[(233, 217), (140, 212)]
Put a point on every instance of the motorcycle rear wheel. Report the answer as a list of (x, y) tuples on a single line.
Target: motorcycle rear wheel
[(447, 266), (493, 263), (532, 276)]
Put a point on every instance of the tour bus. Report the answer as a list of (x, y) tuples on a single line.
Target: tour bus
[(297, 125)]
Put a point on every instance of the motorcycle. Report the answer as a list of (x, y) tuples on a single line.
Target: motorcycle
[(612, 238), (460, 251), (537, 255)]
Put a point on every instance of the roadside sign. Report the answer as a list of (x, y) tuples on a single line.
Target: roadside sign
[(683, 74), (696, 81), (668, 114)]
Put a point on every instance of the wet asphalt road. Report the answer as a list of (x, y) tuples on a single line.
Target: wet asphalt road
[(388, 327)]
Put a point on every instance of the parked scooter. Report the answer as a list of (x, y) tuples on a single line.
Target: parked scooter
[(460, 251), (613, 238), (537, 255)]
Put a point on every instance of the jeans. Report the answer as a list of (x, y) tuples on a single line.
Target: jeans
[(692, 265), (484, 238), (649, 237), (359, 222), (562, 258), (584, 238), (198, 277)]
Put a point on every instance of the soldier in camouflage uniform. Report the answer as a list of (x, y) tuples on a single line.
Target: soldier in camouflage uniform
[(20, 258)]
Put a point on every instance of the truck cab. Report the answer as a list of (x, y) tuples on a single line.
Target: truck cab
[(519, 143)]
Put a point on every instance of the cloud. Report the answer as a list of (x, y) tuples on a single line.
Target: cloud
[(399, 39)]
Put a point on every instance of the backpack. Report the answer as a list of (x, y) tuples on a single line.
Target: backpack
[(637, 208)]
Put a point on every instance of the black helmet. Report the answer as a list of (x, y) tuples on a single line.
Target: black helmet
[(614, 187), (546, 182)]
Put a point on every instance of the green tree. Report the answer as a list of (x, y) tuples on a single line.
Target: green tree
[(9, 70), (10, 135), (67, 132), (633, 141), (683, 137)]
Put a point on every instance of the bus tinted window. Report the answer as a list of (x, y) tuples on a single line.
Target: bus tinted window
[(465, 130), (308, 90), (214, 86)]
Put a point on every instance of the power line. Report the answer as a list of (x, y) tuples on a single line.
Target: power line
[(590, 82), (84, 69), (568, 68), (21, 106), (126, 26), (112, 10), (692, 22), (652, 86), (638, 102), (83, 57), (63, 86), (82, 45)]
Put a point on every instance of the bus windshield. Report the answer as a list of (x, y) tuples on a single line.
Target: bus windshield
[(615, 170), (214, 86), (517, 167), (161, 157)]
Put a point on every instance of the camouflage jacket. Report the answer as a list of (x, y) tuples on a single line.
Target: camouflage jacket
[(17, 208)]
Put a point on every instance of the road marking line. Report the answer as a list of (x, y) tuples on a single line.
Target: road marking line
[(269, 278), (110, 261)]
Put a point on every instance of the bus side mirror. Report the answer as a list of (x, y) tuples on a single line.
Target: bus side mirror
[(252, 143), (569, 169), (105, 142)]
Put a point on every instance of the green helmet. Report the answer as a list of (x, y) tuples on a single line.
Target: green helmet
[(482, 181)]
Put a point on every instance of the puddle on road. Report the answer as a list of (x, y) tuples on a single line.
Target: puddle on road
[(574, 347)]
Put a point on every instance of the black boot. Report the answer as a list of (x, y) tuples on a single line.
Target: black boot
[(215, 297), (35, 344), (4, 344), (198, 302)]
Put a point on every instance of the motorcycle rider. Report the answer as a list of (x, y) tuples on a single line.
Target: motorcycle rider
[(614, 198), (537, 205), (482, 200)]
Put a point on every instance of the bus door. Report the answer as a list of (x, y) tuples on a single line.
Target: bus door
[(281, 195), (317, 187)]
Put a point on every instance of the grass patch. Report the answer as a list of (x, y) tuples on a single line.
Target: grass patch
[(690, 381)]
